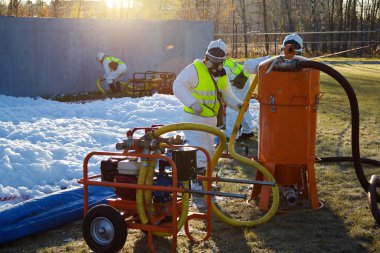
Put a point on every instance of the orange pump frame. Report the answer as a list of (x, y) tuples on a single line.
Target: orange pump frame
[(129, 207)]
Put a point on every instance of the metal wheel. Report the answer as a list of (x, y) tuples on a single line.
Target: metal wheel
[(372, 195), (104, 229)]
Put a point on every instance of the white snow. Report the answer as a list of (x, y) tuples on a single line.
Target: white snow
[(43, 142)]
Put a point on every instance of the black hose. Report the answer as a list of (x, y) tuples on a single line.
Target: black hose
[(354, 119), (337, 159)]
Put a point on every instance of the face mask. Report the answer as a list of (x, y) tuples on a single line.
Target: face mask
[(213, 67)]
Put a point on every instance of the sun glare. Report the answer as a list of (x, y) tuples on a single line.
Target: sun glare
[(120, 3)]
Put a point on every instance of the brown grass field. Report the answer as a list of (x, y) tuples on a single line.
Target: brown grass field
[(344, 224)]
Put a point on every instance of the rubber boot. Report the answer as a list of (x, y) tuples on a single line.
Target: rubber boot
[(113, 87), (118, 86)]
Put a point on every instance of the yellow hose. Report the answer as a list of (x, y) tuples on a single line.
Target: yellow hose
[(99, 86), (144, 198), (218, 152), (148, 193), (197, 127), (184, 211), (258, 166), (140, 193)]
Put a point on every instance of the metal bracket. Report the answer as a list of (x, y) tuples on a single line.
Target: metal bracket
[(316, 103), (272, 103), (271, 66)]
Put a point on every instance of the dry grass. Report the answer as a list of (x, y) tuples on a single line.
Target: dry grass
[(344, 224)]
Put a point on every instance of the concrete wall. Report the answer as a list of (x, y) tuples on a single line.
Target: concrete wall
[(57, 56)]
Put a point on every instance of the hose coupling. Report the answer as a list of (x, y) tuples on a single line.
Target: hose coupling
[(287, 65), (289, 194)]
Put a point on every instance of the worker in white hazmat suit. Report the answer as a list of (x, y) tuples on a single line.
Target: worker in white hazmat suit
[(295, 40), (114, 69), (201, 87), (240, 82)]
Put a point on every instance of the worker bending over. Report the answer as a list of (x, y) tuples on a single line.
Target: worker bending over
[(114, 69)]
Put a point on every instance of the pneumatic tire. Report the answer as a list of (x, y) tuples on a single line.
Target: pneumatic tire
[(372, 195), (104, 229)]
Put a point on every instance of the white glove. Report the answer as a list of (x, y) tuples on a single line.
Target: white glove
[(197, 108), (236, 107)]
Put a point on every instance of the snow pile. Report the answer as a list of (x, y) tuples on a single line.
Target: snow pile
[(43, 142)]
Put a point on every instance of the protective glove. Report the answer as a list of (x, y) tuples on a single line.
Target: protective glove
[(237, 107), (197, 108)]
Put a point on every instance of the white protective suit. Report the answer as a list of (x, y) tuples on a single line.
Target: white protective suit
[(110, 74), (250, 66), (183, 85)]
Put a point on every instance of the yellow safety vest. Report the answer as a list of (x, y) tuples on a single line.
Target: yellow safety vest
[(113, 59), (235, 68), (205, 91)]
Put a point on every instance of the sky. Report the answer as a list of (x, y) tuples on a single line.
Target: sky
[(43, 142)]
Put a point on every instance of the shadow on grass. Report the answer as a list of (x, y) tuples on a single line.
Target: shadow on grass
[(229, 239), (309, 231), (224, 238)]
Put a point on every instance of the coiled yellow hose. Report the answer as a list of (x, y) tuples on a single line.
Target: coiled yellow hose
[(231, 149), (184, 211), (215, 158), (145, 208)]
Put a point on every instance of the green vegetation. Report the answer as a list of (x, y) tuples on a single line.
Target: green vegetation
[(344, 224)]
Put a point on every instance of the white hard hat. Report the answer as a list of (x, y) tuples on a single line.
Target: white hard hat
[(100, 56), (294, 39), (217, 51)]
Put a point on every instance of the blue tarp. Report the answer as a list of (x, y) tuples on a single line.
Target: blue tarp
[(44, 213)]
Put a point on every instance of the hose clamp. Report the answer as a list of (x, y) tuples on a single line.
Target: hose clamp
[(287, 65)]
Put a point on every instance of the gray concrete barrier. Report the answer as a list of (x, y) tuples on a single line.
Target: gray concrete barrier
[(48, 56)]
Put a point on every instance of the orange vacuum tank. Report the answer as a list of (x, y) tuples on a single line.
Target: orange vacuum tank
[(287, 128)]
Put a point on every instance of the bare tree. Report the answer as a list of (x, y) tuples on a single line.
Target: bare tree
[(314, 27), (289, 15), (13, 7), (56, 8), (243, 17), (322, 14), (331, 23), (265, 26), (299, 18)]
